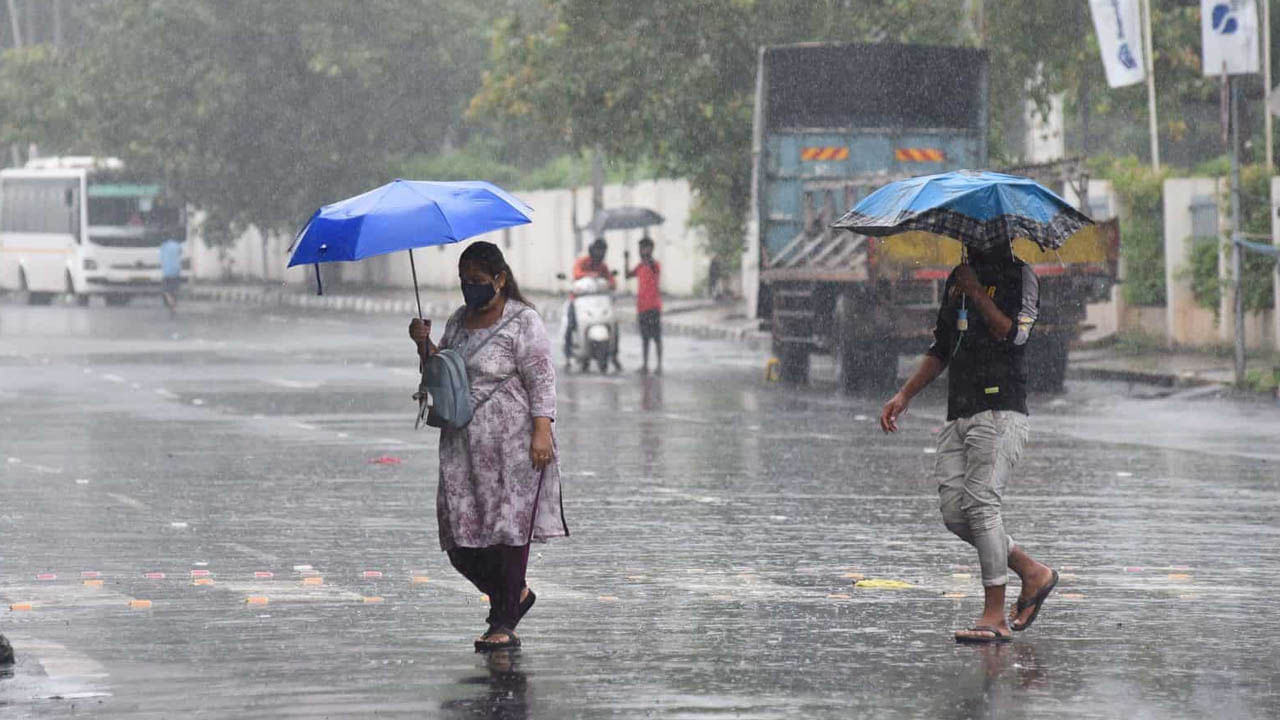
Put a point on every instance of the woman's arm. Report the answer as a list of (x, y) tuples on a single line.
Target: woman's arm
[(420, 333), (537, 373)]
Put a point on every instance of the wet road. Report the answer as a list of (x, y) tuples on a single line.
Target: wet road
[(718, 525)]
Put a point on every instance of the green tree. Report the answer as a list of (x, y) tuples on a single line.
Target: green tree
[(260, 112), (673, 81)]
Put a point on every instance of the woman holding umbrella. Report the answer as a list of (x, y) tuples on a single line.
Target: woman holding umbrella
[(499, 477)]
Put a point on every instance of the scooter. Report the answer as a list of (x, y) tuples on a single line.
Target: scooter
[(596, 335)]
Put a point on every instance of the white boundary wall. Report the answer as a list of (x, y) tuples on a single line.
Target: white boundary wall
[(536, 252)]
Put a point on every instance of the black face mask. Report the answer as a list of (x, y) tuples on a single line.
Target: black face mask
[(477, 295)]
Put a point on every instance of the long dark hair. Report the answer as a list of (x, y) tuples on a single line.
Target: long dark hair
[(489, 258)]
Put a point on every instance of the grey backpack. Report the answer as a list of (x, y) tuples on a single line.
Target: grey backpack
[(445, 380)]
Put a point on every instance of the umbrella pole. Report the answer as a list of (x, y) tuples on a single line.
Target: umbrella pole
[(319, 285), (413, 269)]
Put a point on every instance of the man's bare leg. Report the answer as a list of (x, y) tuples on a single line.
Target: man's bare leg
[(1035, 576), (992, 615)]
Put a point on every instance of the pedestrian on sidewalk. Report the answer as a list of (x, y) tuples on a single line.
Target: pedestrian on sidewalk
[(170, 273), (648, 301), (989, 307), (499, 483)]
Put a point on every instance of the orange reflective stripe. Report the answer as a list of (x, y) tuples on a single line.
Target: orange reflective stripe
[(919, 155), (828, 152)]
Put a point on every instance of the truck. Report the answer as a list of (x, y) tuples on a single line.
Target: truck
[(833, 122)]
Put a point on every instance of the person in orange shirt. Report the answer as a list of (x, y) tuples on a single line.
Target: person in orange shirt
[(593, 265), (590, 265), (648, 301)]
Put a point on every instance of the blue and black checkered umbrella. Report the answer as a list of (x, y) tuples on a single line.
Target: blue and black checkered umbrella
[(980, 209)]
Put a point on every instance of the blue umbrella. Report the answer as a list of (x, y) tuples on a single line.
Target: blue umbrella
[(980, 209), (403, 215)]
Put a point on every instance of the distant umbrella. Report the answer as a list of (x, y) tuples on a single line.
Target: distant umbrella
[(403, 215), (980, 209), (624, 218)]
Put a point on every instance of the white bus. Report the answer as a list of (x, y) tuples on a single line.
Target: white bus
[(83, 226)]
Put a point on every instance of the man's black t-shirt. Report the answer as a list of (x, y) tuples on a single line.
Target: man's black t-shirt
[(988, 373)]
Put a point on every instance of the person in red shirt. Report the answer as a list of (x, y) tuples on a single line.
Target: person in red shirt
[(648, 301)]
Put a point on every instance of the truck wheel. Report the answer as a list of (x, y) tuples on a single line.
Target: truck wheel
[(793, 364), (1047, 362), (862, 364)]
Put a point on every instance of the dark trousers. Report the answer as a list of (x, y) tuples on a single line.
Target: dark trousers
[(497, 571)]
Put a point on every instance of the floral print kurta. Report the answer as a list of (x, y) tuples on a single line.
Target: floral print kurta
[(489, 489)]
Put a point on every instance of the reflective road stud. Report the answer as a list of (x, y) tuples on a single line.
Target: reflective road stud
[(371, 600), (373, 573), (17, 607), (140, 604), (47, 576), (256, 600), (202, 581), (419, 579), (93, 583), (153, 575), (263, 575), (313, 580)]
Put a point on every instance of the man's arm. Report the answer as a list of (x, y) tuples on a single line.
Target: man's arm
[(934, 362), (998, 324)]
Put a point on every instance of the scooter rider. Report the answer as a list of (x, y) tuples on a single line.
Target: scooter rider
[(590, 265)]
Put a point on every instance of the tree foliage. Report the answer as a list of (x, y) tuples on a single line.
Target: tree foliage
[(673, 81), (259, 111)]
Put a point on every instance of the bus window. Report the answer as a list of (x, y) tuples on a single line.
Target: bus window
[(132, 215), (40, 206)]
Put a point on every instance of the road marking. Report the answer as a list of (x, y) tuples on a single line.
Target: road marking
[(112, 378), (126, 500), (295, 384), (304, 426), (165, 393)]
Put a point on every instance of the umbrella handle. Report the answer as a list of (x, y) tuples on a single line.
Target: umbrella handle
[(414, 269)]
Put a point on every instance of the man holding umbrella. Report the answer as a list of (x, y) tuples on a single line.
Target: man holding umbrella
[(986, 423), (989, 307)]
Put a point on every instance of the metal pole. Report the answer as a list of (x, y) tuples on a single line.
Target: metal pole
[(15, 24), (1238, 299), (17, 44), (1266, 83), (1153, 123)]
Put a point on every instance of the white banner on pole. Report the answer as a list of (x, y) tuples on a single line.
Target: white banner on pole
[(1120, 39), (1229, 33)]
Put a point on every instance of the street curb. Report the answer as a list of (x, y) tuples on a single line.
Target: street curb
[(750, 337), (1139, 376)]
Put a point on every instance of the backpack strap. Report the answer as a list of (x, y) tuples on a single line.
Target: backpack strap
[(471, 353)]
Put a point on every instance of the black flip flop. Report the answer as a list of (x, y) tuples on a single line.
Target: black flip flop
[(485, 645), (1035, 602), (527, 603), (996, 637)]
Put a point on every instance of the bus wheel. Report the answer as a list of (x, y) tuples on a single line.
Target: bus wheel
[(33, 298), (117, 299), (80, 298)]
